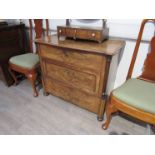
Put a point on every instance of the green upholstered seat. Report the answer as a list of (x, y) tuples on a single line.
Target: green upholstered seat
[(137, 93), (28, 60)]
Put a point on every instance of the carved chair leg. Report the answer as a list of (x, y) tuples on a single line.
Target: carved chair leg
[(110, 109), (32, 78), (13, 76)]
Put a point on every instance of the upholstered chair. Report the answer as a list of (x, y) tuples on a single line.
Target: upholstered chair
[(28, 64), (136, 97)]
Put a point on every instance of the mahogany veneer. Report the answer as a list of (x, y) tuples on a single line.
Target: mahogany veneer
[(77, 71)]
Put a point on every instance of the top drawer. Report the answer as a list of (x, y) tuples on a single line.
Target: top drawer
[(73, 57), (6, 35)]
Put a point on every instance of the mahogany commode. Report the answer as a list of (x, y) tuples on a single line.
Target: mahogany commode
[(77, 71)]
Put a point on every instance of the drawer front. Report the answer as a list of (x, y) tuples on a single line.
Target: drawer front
[(85, 34), (73, 57), (7, 35), (11, 43), (82, 34), (75, 96), (74, 78), (94, 35), (61, 31), (70, 32)]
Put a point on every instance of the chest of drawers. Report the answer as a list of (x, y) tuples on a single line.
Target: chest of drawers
[(12, 42), (77, 71)]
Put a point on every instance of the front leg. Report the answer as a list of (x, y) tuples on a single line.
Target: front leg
[(13, 76), (110, 109), (101, 110), (32, 78)]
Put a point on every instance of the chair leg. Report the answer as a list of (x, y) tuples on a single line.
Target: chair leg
[(13, 76), (110, 109), (32, 78)]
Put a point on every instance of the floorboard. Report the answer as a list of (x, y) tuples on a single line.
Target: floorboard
[(22, 114)]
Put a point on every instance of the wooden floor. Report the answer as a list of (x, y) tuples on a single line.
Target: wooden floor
[(21, 113)]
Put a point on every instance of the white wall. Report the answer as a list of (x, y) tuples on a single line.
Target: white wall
[(122, 28), (129, 29)]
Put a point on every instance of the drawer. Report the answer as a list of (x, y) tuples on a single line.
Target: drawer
[(70, 32), (7, 35), (61, 31), (74, 78), (94, 35), (75, 96), (10, 47), (82, 34), (73, 57), (91, 35)]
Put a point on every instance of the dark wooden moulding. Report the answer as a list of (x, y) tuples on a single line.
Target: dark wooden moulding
[(12, 43)]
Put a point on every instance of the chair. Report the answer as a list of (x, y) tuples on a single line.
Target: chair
[(28, 64), (136, 97)]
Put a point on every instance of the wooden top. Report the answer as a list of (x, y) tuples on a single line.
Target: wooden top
[(109, 47), (82, 27)]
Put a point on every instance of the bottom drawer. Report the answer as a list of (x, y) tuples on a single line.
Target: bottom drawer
[(89, 102)]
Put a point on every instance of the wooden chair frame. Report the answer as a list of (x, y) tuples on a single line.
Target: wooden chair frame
[(31, 74), (115, 105)]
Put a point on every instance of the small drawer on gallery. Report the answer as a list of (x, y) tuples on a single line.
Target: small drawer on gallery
[(71, 33), (94, 35), (61, 31), (82, 34)]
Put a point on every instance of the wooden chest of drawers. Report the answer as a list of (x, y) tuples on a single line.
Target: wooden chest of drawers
[(77, 71), (12, 42), (75, 32)]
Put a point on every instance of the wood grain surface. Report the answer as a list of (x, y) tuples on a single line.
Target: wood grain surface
[(21, 113)]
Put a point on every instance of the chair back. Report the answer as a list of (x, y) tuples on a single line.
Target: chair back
[(149, 64), (38, 29)]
